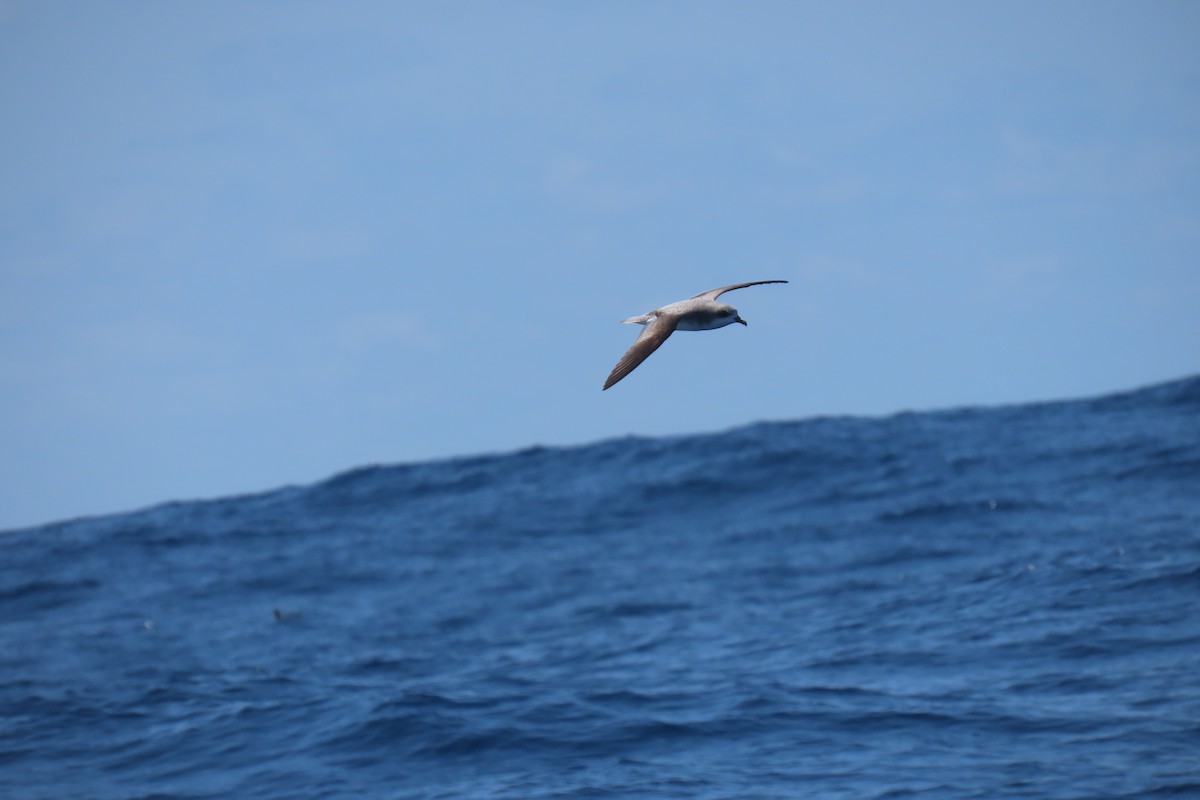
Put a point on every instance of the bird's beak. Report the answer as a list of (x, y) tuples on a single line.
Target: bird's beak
[(739, 319)]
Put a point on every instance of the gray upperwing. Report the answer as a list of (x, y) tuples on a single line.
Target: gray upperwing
[(651, 337), (713, 294)]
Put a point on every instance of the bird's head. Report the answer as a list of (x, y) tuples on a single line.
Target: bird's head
[(730, 315)]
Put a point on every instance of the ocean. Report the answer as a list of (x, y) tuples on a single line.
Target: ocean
[(973, 603)]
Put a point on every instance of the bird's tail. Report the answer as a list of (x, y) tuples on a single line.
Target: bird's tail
[(640, 320)]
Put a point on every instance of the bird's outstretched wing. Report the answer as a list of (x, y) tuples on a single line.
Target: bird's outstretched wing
[(713, 294), (652, 335)]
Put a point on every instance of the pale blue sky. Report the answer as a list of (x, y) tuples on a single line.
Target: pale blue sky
[(251, 244)]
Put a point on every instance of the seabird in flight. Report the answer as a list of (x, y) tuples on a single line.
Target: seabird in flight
[(700, 313)]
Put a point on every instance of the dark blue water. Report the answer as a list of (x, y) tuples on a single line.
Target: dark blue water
[(985, 603)]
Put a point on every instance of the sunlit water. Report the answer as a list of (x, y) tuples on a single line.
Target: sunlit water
[(977, 603)]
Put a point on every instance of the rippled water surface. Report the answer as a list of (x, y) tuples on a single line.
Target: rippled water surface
[(980, 603)]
